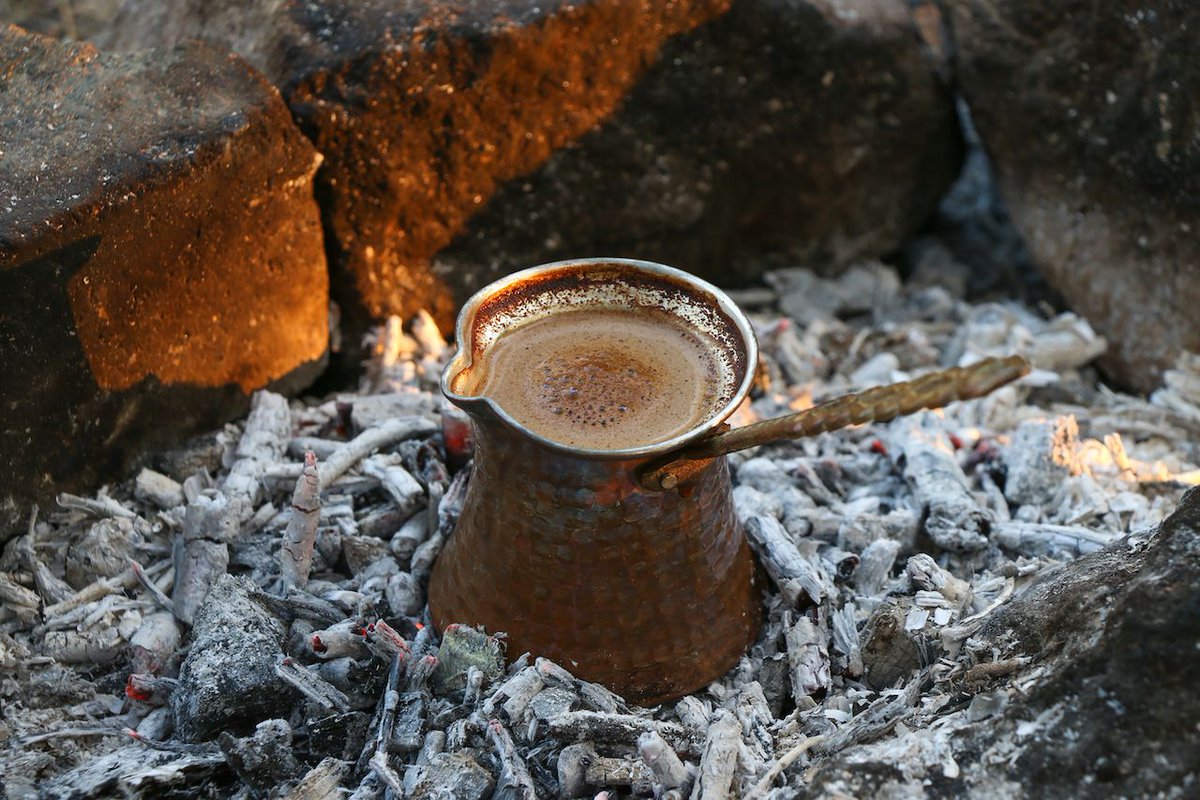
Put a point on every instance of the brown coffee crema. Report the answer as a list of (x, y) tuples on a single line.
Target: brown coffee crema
[(604, 379)]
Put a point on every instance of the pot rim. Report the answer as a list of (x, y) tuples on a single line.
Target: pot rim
[(463, 357)]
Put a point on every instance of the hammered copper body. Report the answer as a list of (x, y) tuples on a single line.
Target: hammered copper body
[(651, 593)]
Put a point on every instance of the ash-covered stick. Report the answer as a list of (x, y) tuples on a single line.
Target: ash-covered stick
[(875, 566), (924, 573), (620, 729), (104, 506), (52, 588), (669, 771), (515, 780), (763, 786), (881, 717), (845, 639), (808, 659), (448, 509), (389, 776), (155, 642), (755, 716), (719, 761), (579, 766), (401, 486), (514, 695), (323, 782), (343, 639), (475, 679), (312, 686), (151, 588), (14, 593), (300, 603), (418, 672), (149, 689), (1043, 539), (101, 587), (796, 576), (382, 435), (953, 520), (201, 553), (385, 716), (296, 552), (262, 444), (593, 695), (385, 643)]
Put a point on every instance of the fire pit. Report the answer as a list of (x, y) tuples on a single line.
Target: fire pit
[(211, 205), (891, 551)]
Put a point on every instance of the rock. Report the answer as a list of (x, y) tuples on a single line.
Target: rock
[(1088, 113), (465, 141), (160, 256), (228, 681), (1106, 704)]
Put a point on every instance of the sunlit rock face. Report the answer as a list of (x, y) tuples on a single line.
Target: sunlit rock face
[(467, 140), (160, 255)]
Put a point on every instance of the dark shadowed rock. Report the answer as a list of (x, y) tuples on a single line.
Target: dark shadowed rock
[(160, 255), (1088, 112), (1108, 702), (466, 140), (228, 681)]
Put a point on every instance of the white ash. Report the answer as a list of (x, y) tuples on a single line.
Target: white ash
[(887, 548)]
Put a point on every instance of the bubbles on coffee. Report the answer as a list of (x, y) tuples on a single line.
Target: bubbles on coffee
[(605, 379)]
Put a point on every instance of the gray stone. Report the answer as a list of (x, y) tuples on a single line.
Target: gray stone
[(1089, 115)]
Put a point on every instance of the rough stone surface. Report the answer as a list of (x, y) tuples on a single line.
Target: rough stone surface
[(1088, 112), (1111, 705), (160, 255), (464, 141), (228, 681)]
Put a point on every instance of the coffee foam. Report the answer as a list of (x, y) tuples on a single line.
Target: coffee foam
[(605, 379)]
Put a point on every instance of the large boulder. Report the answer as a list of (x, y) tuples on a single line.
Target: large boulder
[(160, 255), (466, 140), (1088, 111)]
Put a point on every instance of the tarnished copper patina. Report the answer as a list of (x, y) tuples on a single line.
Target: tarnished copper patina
[(628, 567)]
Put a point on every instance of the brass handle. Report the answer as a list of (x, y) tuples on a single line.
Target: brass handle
[(879, 404)]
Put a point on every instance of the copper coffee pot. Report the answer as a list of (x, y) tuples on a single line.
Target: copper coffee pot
[(628, 567)]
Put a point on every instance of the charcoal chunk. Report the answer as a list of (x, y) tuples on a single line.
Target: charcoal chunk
[(228, 681)]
